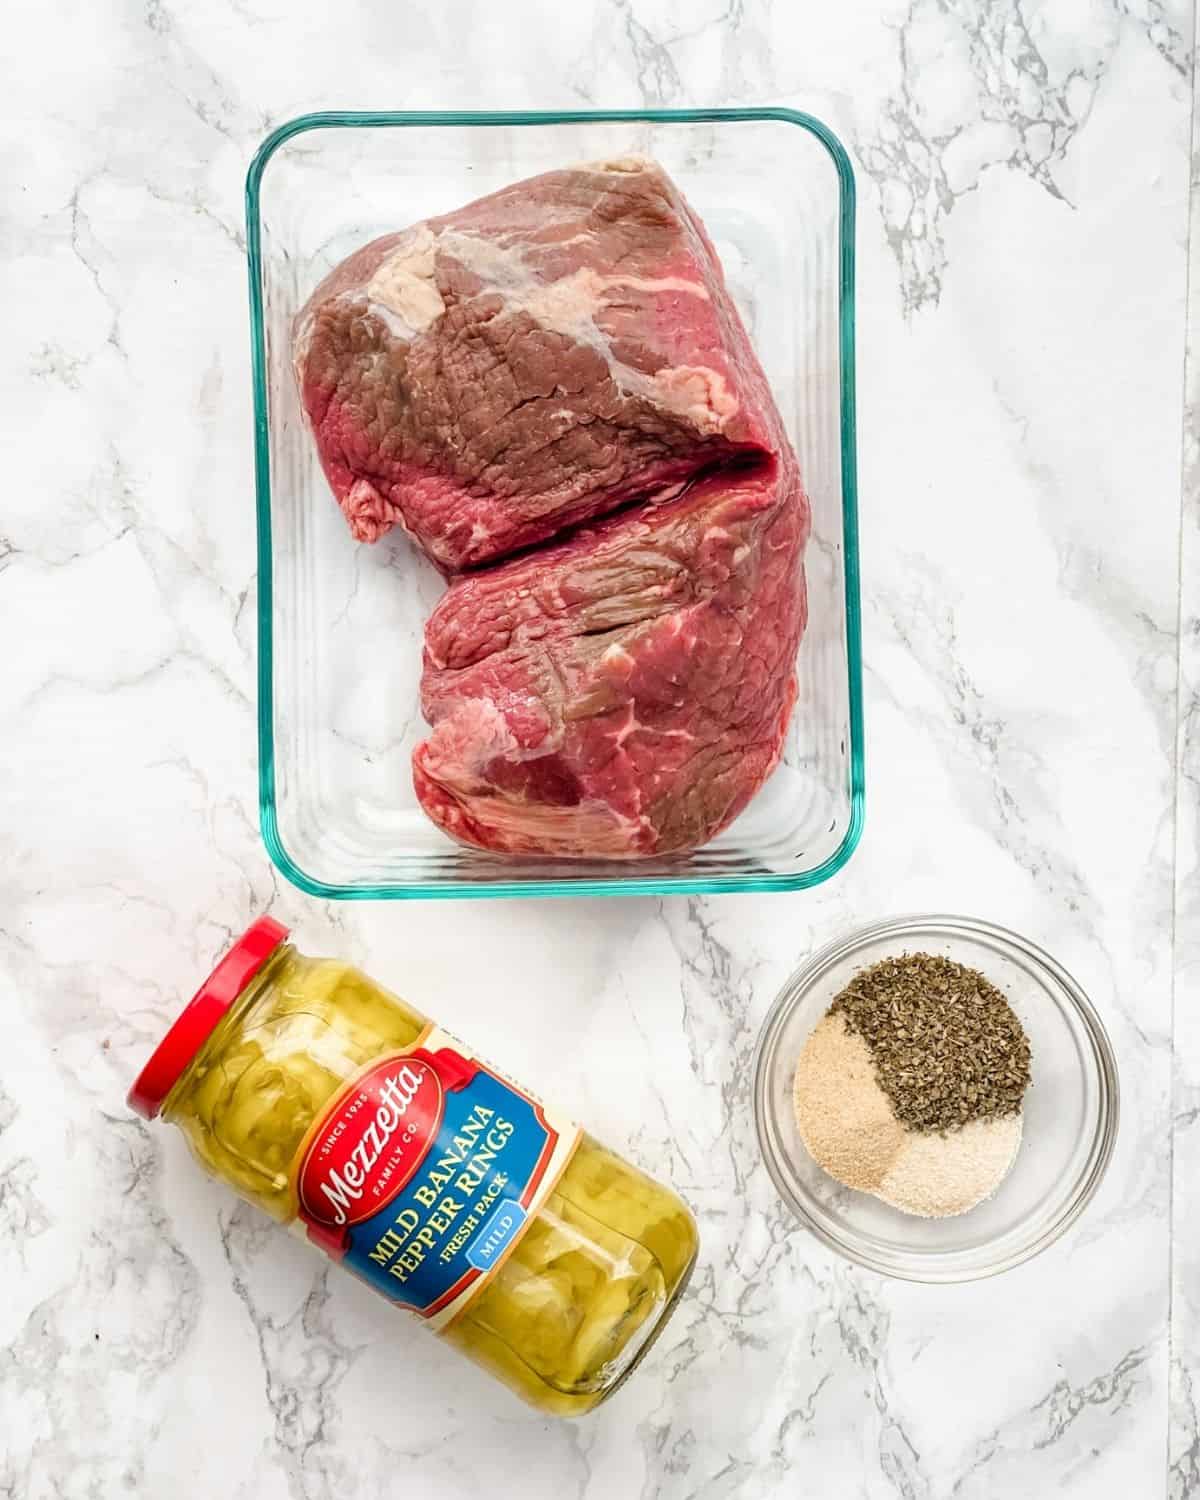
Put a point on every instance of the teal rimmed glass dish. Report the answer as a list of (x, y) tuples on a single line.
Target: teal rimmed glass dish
[(340, 624)]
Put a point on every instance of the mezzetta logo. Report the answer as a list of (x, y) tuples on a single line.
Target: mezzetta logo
[(345, 1184)]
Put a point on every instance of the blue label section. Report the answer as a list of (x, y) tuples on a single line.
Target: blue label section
[(499, 1232), (461, 1208)]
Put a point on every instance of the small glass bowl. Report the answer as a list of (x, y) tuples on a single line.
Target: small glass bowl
[(1071, 1109)]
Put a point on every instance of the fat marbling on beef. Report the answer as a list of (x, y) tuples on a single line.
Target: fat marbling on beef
[(498, 380)]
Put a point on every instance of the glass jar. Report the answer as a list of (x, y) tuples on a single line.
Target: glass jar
[(335, 1106)]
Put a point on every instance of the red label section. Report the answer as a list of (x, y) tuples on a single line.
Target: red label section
[(371, 1143)]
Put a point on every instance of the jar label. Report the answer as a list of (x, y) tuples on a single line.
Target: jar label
[(422, 1172)]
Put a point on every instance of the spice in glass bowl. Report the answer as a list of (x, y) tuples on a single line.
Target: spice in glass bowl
[(911, 1085)]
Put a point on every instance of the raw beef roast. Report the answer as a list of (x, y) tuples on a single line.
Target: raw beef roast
[(539, 357), (626, 691), (497, 380)]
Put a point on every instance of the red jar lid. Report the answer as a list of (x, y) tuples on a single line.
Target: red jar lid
[(200, 1016)]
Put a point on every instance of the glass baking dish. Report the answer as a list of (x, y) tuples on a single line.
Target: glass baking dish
[(340, 623)]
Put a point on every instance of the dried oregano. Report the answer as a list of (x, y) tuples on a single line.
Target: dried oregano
[(946, 1044)]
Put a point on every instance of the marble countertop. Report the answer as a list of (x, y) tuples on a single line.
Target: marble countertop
[(1023, 171)]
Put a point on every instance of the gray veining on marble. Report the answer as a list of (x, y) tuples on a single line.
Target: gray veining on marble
[(1184, 1455), (1023, 190)]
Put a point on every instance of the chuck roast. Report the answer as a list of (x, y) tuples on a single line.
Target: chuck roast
[(558, 370)]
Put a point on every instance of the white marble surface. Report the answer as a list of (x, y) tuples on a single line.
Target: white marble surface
[(1185, 1279), (1023, 174)]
